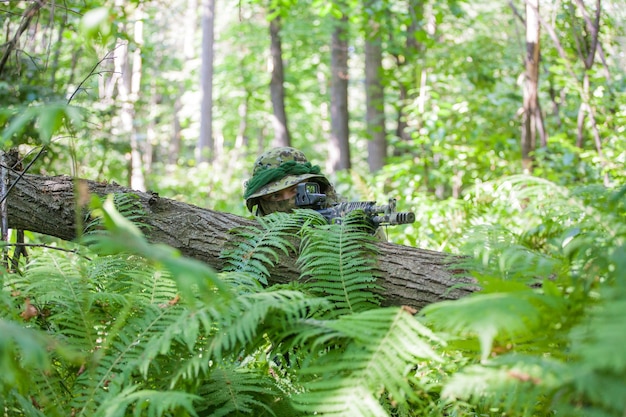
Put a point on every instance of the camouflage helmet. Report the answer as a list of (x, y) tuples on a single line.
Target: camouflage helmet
[(289, 165)]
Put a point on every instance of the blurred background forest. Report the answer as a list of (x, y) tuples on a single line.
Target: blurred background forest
[(427, 101), (501, 124)]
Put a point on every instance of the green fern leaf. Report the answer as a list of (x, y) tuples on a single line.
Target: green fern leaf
[(259, 247), (127, 204), (600, 360), (19, 405), (57, 285), (29, 359), (21, 348), (149, 403), (194, 278), (487, 316), (596, 338), (334, 400), (380, 347), (241, 324), (237, 391), (242, 282), (337, 262), (129, 343)]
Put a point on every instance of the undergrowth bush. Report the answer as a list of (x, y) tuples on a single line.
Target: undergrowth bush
[(124, 327)]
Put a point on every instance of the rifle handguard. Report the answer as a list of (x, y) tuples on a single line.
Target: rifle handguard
[(309, 196)]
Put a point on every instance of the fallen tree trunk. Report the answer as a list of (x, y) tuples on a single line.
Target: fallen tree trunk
[(409, 276)]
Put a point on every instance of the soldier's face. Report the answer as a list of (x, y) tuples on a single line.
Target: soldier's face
[(282, 195)]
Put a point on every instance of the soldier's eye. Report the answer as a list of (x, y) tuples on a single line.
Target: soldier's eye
[(273, 197)]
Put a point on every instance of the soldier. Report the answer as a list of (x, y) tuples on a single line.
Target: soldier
[(276, 174), (275, 177)]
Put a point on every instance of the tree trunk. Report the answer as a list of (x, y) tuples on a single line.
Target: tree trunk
[(339, 155), (375, 99), (587, 54), (408, 64), (277, 89), (409, 276), (177, 129), (137, 146), (533, 122), (205, 149)]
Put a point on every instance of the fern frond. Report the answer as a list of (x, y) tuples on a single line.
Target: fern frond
[(350, 400), (595, 339), (337, 261), (126, 279), (240, 325), (21, 350), (51, 390), (242, 282), (505, 316), (599, 359), (56, 284), (234, 391), (194, 278), (259, 246), (184, 335), (495, 250), (381, 346), (543, 205), (128, 205), (149, 403), (121, 352), (248, 323), (17, 405), (29, 359)]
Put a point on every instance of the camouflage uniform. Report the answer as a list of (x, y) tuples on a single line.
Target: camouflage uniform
[(274, 159), (271, 162)]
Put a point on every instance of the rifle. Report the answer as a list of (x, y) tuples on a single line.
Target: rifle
[(308, 196)]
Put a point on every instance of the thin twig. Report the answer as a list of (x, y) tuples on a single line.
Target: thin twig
[(92, 72), (40, 245), (21, 174), (4, 215), (27, 17), (517, 13), (44, 147)]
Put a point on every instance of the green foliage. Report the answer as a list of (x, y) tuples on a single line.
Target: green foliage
[(548, 333), (337, 262), (124, 327), (148, 403), (46, 119), (24, 351), (538, 338), (249, 393), (114, 310), (261, 245), (365, 354), (151, 325)]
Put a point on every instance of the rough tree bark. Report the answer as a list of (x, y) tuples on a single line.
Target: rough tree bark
[(282, 136), (339, 143), (409, 276), (375, 99), (205, 150), (532, 120)]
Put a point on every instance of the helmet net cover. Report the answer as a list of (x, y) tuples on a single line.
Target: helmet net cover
[(277, 169)]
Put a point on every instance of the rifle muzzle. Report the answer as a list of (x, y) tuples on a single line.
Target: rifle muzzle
[(395, 218)]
